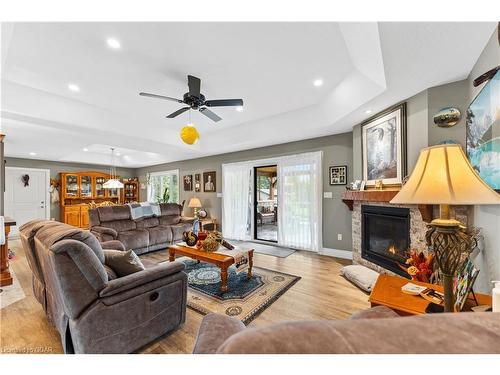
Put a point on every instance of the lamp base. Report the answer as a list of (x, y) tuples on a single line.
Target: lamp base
[(449, 241)]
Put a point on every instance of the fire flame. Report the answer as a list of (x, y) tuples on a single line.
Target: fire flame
[(392, 250)]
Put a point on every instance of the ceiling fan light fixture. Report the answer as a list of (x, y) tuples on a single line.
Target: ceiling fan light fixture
[(189, 134)]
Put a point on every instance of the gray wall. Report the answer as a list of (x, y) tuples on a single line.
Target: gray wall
[(337, 150), (57, 167), (449, 95)]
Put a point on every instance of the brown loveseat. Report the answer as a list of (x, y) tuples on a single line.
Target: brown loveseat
[(142, 235), (374, 331), (94, 310)]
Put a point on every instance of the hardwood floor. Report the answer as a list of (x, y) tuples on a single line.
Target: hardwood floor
[(321, 294)]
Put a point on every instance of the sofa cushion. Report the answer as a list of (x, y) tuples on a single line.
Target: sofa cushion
[(112, 213), (134, 239), (123, 262), (111, 274), (120, 225), (147, 222), (159, 235), (170, 209), (169, 219), (377, 312), (178, 230)]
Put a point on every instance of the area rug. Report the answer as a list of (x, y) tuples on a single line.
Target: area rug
[(245, 299), (276, 251)]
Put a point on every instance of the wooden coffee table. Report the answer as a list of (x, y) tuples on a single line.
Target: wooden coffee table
[(387, 292), (220, 260)]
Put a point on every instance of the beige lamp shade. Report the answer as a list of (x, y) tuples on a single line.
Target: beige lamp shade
[(194, 203), (443, 175)]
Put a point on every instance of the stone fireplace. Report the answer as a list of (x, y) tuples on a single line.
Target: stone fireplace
[(385, 236), (392, 229), (382, 236)]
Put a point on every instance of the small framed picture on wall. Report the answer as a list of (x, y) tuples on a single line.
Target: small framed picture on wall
[(197, 182), (338, 175), (188, 182), (209, 182)]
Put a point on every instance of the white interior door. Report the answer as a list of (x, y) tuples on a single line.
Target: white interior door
[(25, 203)]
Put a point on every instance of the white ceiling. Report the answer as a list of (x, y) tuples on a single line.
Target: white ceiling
[(270, 65)]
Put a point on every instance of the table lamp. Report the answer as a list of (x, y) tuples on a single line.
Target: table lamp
[(444, 176), (196, 204)]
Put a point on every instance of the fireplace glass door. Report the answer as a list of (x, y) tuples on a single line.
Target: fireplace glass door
[(385, 236)]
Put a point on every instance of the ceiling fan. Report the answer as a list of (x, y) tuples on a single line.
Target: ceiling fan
[(194, 99)]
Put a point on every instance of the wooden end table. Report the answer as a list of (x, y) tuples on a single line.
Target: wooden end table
[(220, 260), (387, 292), (5, 276)]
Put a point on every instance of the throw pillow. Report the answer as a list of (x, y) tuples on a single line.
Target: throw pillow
[(123, 262), (361, 276)]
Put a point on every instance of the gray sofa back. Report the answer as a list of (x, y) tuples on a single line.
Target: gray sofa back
[(71, 261), (143, 234), (27, 234), (378, 333)]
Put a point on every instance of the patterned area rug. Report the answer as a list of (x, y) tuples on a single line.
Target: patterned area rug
[(245, 298)]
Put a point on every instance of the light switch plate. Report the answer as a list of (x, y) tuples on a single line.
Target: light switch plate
[(219, 195), (327, 194)]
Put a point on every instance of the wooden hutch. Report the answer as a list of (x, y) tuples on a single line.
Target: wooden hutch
[(130, 191), (80, 189)]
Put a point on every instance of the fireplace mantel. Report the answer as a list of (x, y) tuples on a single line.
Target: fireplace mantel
[(350, 196)]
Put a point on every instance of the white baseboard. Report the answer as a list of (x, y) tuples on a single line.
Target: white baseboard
[(343, 254)]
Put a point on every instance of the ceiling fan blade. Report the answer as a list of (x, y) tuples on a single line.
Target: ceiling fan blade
[(224, 102), (194, 84), (160, 97), (212, 116), (178, 112)]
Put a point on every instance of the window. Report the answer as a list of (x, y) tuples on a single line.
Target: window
[(163, 187)]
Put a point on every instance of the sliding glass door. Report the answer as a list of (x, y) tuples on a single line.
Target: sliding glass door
[(276, 200), (266, 203)]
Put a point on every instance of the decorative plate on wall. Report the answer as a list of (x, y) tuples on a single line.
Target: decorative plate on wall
[(447, 117)]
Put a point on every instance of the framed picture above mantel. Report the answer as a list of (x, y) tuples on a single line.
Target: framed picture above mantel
[(383, 138)]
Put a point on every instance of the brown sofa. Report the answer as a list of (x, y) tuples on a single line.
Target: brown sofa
[(375, 331), (142, 235), (94, 310)]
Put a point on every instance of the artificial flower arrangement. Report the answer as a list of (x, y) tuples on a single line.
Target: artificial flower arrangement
[(419, 266)]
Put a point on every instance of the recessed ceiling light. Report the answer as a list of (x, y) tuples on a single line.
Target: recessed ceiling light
[(113, 43), (118, 154), (73, 87), (368, 111), (85, 149), (318, 82), (32, 153), (239, 108)]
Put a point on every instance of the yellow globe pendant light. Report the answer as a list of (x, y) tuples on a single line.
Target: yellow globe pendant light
[(189, 134)]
